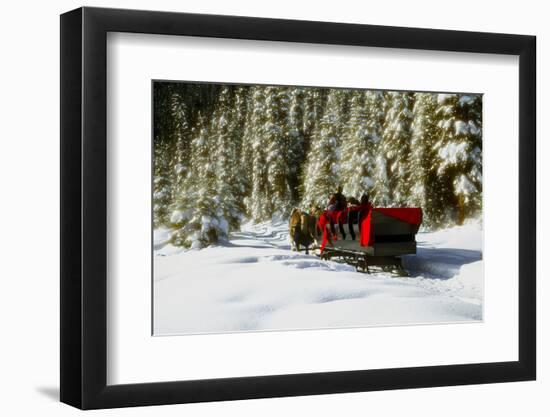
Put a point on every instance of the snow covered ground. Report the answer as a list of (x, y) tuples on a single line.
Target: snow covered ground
[(256, 283)]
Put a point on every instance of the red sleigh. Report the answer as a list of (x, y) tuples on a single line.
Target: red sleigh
[(382, 236)]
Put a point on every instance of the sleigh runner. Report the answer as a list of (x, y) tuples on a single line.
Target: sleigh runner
[(382, 236)]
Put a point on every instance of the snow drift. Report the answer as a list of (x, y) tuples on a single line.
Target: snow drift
[(256, 283)]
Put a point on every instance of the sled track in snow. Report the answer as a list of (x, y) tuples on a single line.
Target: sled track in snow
[(262, 234)]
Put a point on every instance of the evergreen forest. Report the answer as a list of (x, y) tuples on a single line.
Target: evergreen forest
[(225, 154)]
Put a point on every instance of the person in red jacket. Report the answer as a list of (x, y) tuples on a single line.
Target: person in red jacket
[(337, 212), (357, 212)]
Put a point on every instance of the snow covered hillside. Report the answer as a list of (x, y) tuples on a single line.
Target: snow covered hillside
[(256, 283)]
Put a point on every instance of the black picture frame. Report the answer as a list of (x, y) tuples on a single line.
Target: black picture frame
[(84, 207)]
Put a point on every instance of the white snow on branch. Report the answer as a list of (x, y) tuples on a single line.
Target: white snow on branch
[(452, 153), (441, 98), (179, 216), (466, 100), (464, 186)]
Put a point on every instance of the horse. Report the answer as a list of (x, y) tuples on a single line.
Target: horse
[(303, 230)]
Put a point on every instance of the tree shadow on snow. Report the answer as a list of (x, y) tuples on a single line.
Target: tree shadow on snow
[(439, 263)]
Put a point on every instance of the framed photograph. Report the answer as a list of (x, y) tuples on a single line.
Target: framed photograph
[(257, 208)]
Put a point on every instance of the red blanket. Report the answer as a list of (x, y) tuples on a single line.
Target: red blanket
[(408, 215), (338, 216), (324, 225)]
